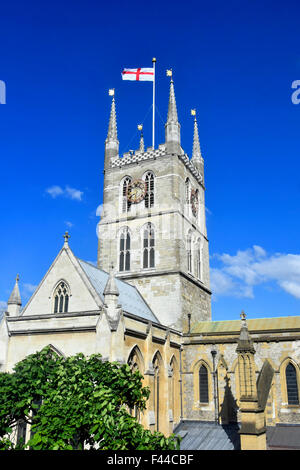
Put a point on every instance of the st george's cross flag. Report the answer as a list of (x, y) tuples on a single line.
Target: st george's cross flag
[(139, 74)]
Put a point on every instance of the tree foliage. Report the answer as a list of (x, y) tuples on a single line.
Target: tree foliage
[(75, 403)]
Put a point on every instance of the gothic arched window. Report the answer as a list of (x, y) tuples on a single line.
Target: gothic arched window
[(149, 196), (203, 384), (134, 362), (126, 204), (148, 246), (189, 252), (291, 384), (124, 252), (61, 298)]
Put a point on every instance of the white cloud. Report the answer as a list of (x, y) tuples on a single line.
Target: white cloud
[(259, 251), (3, 306), (68, 192), (54, 191), (69, 224), (73, 193), (29, 288), (222, 284), (291, 287), (239, 273)]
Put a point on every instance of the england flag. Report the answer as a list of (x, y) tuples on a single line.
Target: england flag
[(140, 74)]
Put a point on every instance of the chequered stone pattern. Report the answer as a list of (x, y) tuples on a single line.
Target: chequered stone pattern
[(151, 154)]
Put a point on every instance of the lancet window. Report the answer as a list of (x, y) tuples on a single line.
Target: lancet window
[(189, 252), (156, 396), (291, 384), (203, 384), (148, 246), (124, 252), (198, 258)]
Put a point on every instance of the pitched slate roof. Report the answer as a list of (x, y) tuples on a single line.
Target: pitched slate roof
[(197, 435), (129, 298)]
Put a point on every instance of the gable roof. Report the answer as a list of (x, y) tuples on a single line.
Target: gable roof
[(129, 297)]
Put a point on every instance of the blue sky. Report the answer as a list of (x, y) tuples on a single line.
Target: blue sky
[(233, 61)]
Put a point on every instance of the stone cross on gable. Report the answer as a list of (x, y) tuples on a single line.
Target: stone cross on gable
[(66, 237)]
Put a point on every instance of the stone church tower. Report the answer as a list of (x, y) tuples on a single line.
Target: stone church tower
[(153, 227)]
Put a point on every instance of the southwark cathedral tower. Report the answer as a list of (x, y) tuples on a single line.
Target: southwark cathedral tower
[(221, 385), (153, 224)]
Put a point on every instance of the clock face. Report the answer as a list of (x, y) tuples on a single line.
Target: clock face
[(194, 201), (136, 191)]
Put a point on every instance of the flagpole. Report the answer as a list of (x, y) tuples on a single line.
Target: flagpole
[(153, 110)]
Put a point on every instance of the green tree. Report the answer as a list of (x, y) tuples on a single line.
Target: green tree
[(75, 402)]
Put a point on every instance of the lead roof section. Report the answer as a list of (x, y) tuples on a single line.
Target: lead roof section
[(289, 323)]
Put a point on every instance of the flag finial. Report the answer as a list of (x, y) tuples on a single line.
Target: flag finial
[(142, 145), (111, 92)]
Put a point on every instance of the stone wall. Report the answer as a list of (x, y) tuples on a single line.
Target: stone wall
[(278, 352)]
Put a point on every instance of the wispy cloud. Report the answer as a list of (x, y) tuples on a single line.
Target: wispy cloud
[(240, 273), (68, 192), (29, 288), (3, 306), (69, 224)]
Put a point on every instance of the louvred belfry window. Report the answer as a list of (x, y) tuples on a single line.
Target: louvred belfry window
[(61, 298), (124, 261), (149, 195), (148, 247), (126, 204)]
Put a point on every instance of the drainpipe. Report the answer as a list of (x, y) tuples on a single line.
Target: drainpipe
[(214, 353)]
